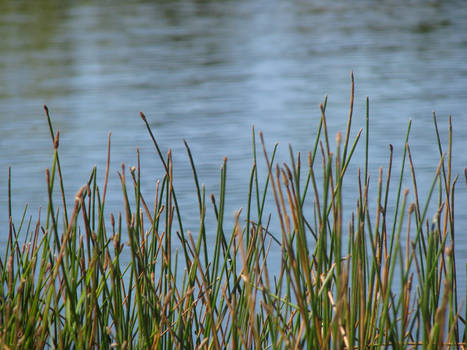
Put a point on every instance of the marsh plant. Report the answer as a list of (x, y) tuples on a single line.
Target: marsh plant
[(377, 275)]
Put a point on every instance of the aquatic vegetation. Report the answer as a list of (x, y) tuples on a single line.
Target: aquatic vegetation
[(377, 278)]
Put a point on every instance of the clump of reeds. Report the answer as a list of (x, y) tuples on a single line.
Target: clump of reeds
[(366, 278)]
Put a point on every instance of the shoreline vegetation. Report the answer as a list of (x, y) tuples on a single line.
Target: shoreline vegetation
[(375, 279)]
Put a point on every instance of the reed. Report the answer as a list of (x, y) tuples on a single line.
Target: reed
[(365, 277)]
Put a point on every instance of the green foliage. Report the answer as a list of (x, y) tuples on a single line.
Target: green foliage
[(383, 279)]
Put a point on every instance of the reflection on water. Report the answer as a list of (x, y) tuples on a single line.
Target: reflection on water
[(207, 70)]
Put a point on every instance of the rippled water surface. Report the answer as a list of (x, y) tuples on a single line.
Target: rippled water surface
[(206, 71)]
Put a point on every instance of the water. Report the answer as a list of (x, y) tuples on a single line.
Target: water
[(208, 70)]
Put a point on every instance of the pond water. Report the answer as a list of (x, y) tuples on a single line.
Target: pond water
[(206, 71)]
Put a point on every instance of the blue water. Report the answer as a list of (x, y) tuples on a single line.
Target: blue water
[(206, 71)]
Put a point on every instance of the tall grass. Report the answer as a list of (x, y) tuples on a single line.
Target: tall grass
[(369, 277)]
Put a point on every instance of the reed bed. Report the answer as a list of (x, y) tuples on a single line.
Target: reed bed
[(365, 278)]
